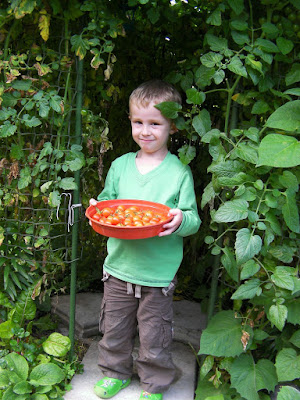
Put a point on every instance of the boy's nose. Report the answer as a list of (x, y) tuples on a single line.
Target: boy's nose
[(145, 130)]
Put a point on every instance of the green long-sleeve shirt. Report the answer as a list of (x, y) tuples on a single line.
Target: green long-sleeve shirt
[(153, 261)]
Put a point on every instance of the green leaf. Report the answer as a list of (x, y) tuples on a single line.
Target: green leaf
[(247, 245), (46, 374), (248, 378), (277, 314), (293, 307), (266, 45), (67, 184), (54, 199), (18, 366), (57, 345), (7, 129), (23, 84), (283, 252), (16, 151), (25, 308), (22, 387), (4, 378), (260, 107), (237, 6), (229, 262), (293, 75), (288, 393), (214, 18), (194, 96), (247, 290), (208, 195), (282, 278), (284, 45), (249, 269), (25, 178), (293, 92), (287, 365), (187, 153), (234, 210), (289, 181), (169, 109), (279, 151), (216, 43), (236, 66), (246, 152), (153, 15), (211, 59), (6, 329), (295, 339), (222, 337), (201, 122), (30, 122), (79, 45), (290, 211), (206, 366), (286, 117)]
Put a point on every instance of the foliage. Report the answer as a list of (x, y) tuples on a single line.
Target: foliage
[(32, 367), (238, 69)]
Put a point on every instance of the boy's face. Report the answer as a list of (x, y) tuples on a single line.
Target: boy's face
[(150, 129)]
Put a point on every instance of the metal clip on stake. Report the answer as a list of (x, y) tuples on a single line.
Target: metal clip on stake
[(70, 210)]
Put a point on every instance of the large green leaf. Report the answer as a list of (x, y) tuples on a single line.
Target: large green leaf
[(248, 378), (46, 374), (288, 393), (282, 278), (286, 117), (277, 314), (25, 308), (231, 211), (57, 345), (18, 367), (222, 337), (287, 365), (247, 290), (247, 245), (279, 151), (169, 109)]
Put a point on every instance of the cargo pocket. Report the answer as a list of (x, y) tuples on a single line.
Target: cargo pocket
[(101, 318), (167, 328)]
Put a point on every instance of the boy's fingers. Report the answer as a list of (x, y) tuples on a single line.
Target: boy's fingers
[(93, 202)]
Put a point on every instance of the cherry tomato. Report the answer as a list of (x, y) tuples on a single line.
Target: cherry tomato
[(138, 223), (115, 220), (96, 217), (106, 212)]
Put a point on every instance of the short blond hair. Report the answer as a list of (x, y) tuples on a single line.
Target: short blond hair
[(155, 90)]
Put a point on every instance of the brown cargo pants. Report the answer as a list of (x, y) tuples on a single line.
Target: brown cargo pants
[(122, 310)]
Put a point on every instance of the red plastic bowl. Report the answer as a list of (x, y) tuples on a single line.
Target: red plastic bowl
[(128, 232)]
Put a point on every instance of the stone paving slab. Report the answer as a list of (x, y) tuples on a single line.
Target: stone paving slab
[(189, 320), (183, 389)]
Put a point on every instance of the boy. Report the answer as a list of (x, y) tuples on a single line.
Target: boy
[(139, 275)]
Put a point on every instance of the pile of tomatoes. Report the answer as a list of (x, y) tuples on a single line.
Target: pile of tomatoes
[(129, 216)]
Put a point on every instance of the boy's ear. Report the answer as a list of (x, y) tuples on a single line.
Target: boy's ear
[(173, 128)]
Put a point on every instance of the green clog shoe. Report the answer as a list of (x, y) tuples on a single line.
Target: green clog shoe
[(150, 396), (109, 387)]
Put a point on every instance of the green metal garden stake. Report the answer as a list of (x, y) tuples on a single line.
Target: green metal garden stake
[(76, 200)]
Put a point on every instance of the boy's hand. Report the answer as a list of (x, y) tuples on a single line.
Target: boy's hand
[(93, 202), (171, 226)]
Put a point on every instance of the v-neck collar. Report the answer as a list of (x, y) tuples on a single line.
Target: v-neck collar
[(143, 178)]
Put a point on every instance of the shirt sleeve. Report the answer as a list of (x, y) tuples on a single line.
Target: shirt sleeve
[(188, 205)]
